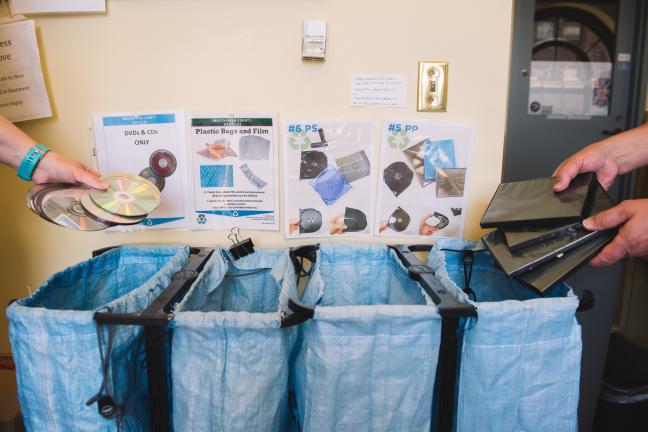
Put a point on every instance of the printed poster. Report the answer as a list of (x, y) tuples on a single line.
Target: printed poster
[(22, 88), (151, 145), (328, 178), (423, 176), (234, 171)]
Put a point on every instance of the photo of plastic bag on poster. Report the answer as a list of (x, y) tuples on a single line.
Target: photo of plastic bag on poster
[(423, 179), (328, 171)]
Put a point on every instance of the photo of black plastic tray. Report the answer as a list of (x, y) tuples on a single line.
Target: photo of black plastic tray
[(533, 203), (544, 277)]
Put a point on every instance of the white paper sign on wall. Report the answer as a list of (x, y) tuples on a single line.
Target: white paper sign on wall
[(22, 89), (57, 6)]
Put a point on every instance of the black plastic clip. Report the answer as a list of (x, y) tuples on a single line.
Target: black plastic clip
[(107, 407), (301, 313), (586, 301), (240, 248), (468, 261)]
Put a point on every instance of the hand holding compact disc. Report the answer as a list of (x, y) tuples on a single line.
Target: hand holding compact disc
[(56, 168), (337, 225), (127, 200), (428, 225)]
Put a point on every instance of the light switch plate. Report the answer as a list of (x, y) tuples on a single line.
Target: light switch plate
[(432, 86)]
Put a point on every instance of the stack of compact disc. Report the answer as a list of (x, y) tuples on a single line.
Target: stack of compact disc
[(127, 201), (539, 239)]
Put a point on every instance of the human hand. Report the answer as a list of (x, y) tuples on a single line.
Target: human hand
[(382, 227), (337, 225), (424, 228), (632, 238), (293, 225), (596, 157), (56, 168)]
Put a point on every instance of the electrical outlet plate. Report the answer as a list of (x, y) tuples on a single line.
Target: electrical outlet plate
[(432, 86)]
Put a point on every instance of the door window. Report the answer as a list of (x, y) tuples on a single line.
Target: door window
[(572, 59)]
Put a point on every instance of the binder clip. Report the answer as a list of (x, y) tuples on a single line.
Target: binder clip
[(239, 248)]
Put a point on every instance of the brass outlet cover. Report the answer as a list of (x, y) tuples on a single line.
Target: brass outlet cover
[(432, 86)]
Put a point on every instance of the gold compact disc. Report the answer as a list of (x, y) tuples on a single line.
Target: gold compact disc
[(127, 195)]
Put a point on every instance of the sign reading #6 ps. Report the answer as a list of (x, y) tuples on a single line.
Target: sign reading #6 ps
[(300, 135)]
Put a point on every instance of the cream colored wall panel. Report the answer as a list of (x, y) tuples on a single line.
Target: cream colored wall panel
[(245, 55)]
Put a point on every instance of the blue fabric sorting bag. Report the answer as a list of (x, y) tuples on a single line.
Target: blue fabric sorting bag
[(520, 358), (56, 346), (367, 360), (230, 358)]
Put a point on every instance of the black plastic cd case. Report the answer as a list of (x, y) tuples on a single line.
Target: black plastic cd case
[(534, 203), (515, 263), (517, 239), (546, 276), (520, 238)]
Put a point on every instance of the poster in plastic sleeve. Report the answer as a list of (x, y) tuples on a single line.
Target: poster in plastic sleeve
[(151, 145), (233, 171), (423, 179), (329, 178)]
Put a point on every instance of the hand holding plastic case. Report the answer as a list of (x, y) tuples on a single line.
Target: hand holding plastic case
[(534, 203), (516, 262), (517, 239)]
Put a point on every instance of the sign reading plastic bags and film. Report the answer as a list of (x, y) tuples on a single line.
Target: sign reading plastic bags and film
[(233, 171)]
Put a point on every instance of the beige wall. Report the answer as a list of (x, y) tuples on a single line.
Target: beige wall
[(245, 55)]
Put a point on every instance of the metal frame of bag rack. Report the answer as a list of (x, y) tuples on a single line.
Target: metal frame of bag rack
[(155, 319)]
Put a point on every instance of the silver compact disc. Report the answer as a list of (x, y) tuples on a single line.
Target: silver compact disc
[(63, 207), (127, 195), (104, 215), (35, 194)]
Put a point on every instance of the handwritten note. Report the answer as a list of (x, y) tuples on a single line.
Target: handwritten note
[(378, 90)]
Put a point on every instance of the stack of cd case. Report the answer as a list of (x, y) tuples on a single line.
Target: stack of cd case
[(539, 239)]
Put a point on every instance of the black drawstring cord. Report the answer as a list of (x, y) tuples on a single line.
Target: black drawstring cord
[(106, 405), (468, 261)]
